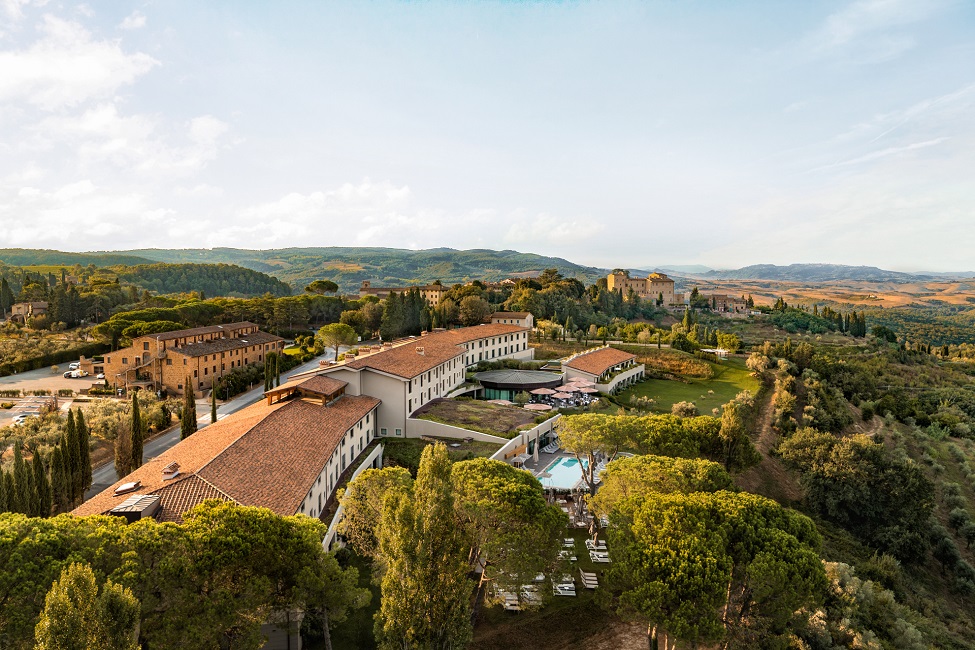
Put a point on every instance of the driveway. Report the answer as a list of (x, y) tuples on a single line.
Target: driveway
[(44, 379), (105, 476)]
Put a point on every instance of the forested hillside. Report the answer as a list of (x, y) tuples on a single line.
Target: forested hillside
[(348, 267), (43, 257), (210, 279)]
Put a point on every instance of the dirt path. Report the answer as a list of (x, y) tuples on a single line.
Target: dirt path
[(770, 477)]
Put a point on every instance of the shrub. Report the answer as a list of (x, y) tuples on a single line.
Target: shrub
[(6, 405), (684, 409), (958, 518)]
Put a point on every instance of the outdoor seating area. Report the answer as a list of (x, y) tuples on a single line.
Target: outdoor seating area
[(578, 393), (551, 447)]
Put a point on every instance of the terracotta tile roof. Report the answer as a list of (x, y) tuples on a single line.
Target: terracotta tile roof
[(225, 345), (191, 454), (405, 361), (276, 463), (321, 385), (468, 334), (599, 361), (197, 331), (439, 347), (509, 314), (182, 494), (266, 456)]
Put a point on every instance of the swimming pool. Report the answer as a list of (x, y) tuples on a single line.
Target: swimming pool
[(563, 474)]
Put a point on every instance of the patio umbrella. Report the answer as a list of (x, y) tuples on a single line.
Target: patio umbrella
[(543, 391), (562, 396), (570, 388), (583, 382), (501, 402), (588, 391), (538, 407)]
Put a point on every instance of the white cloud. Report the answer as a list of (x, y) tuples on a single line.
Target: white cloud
[(137, 143), (74, 215), (67, 67), (14, 9), (550, 230), (135, 20), (867, 30)]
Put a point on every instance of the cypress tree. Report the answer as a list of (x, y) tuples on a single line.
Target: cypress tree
[(43, 486), (10, 490), (277, 369), (138, 432), (3, 492), (123, 449), (21, 496), (60, 483), (188, 420), (213, 404), (73, 459), (84, 449)]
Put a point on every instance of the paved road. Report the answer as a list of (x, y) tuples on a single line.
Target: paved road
[(104, 476)]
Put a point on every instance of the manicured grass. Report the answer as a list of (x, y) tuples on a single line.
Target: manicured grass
[(292, 350), (476, 415), (730, 378)]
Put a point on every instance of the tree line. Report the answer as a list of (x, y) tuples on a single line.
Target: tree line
[(210, 582), (52, 485)]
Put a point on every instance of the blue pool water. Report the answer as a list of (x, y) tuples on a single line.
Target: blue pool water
[(565, 474)]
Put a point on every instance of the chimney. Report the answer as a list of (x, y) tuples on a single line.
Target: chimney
[(419, 350)]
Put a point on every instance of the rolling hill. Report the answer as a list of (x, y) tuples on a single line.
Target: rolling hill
[(348, 267)]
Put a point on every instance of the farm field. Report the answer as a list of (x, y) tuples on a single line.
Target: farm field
[(730, 378)]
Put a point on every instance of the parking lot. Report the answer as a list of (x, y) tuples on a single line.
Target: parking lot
[(42, 379)]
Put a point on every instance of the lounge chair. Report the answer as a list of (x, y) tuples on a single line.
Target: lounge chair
[(564, 590), (598, 556), (567, 555)]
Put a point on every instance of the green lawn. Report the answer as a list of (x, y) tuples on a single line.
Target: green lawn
[(730, 377)]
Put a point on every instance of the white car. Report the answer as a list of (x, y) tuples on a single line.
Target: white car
[(74, 365), (20, 419), (100, 375)]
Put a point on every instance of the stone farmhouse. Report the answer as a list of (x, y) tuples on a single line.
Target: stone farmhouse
[(651, 287), (21, 311), (432, 293), (203, 354)]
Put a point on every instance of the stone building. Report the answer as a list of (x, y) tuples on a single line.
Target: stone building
[(432, 293), (652, 287), (166, 360)]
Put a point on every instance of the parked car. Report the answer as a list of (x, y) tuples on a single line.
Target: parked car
[(100, 375), (22, 417), (74, 365), (67, 375)]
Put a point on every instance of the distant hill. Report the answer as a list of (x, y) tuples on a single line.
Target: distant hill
[(44, 257), (212, 279), (348, 267), (814, 273)]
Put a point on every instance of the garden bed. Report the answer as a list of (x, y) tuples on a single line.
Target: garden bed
[(494, 419)]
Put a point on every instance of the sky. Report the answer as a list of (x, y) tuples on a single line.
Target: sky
[(616, 134)]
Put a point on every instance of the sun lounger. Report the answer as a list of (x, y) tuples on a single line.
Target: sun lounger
[(598, 556), (567, 555), (564, 590), (568, 542)]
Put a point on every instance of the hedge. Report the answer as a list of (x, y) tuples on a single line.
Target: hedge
[(48, 360)]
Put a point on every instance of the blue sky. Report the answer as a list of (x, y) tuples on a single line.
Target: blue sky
[(611, 133)]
